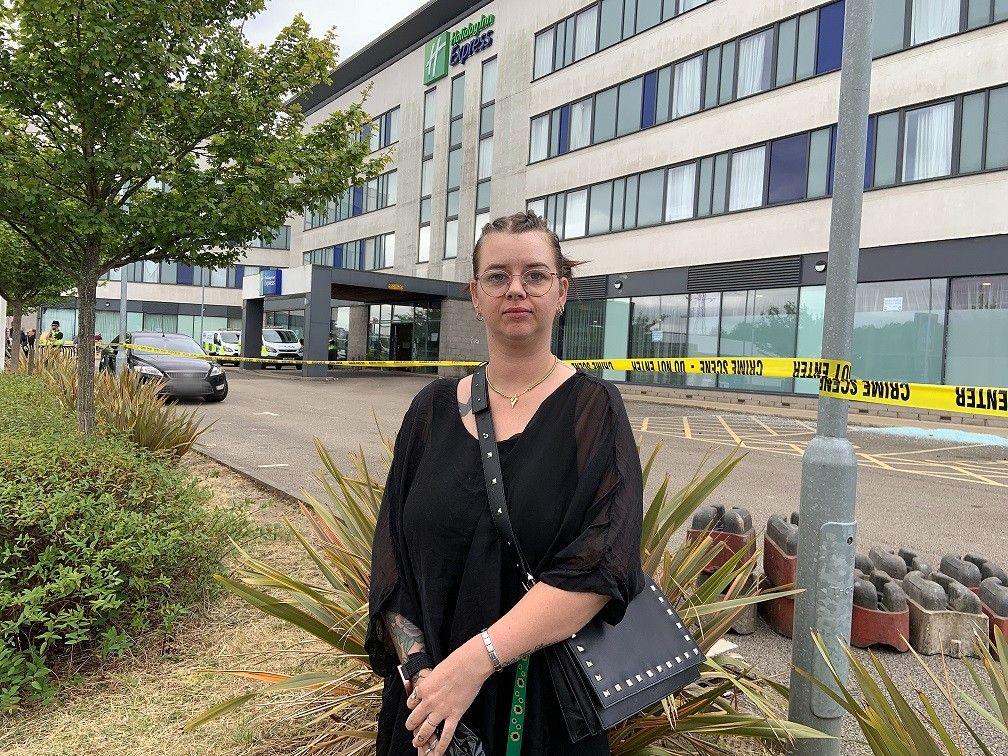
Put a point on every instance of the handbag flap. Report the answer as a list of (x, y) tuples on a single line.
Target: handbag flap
[(616, 669)]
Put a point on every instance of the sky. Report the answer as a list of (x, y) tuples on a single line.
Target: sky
[(357, 23)]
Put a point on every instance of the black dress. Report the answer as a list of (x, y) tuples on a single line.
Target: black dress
[(573, 484)]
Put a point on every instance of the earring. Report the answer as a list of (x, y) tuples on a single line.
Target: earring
[(479, 316), (560, 310)]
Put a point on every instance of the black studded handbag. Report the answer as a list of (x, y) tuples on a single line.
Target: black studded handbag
[(603, 674)]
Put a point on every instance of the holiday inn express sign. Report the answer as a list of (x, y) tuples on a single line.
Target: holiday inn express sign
[(454, 48)]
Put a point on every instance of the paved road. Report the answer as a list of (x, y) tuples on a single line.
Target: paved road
[(932, 494), (936, 491)]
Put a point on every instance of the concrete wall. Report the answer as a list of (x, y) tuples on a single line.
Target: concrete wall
[(943, 209), (357, 335), (462, 336)]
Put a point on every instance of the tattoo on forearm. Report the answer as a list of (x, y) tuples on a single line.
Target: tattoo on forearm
[(406, 637), (531, 651)]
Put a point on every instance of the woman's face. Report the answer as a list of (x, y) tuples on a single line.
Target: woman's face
[(516, 315)]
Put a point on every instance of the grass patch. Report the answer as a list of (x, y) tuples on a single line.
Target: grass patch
[(135, 704)]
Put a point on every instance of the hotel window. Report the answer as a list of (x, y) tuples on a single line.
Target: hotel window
[(789, 163), (686, 87), (382, 131), (680, 192), (454, 165), (376, 194), (755, 60), (976, 342), (927, 142), (484, 157), (931, 19), (426, 174), (747, 179)]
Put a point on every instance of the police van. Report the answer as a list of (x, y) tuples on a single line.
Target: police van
[(282, 344), (223, 344)]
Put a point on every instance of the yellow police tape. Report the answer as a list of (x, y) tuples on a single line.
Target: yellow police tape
[(834, 377)]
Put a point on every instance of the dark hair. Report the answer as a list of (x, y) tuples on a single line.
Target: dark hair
[(522, 223)]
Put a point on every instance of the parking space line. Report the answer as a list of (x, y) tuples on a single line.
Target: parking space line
[(687, 431), (732, 433)]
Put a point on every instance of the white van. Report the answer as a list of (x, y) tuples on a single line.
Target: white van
[(282, 344), (223, 344)]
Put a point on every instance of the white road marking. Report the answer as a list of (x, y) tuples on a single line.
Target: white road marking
[(263, 467), (271, 414)]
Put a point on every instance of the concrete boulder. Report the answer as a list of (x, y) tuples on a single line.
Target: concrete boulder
[(887, 562), (783, 533), (994, 595), (929, 594), (961, 570)]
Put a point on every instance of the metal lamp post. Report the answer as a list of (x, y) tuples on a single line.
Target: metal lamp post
[(827, 526)]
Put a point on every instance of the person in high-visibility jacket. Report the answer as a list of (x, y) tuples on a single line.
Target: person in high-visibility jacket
[(54, 336)]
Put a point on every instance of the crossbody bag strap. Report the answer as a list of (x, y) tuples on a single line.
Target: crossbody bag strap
[(494, 479)]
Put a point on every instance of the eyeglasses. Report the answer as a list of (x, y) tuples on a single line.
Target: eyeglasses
[(536, 282)]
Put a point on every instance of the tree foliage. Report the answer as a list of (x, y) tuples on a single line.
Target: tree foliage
[(153, 130)]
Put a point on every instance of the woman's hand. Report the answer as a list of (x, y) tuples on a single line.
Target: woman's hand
[(445, 694)]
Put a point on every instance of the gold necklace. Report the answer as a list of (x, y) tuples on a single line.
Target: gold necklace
[(514, 399)]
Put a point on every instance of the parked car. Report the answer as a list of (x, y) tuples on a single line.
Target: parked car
[(282, 344), (184, 377), (223, 344)]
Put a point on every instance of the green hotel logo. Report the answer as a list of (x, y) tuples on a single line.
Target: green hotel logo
[(436, 58), (454, 48)]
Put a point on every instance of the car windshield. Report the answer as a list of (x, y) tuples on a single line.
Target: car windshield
[(229, 338), (283, 337), (172, 341)]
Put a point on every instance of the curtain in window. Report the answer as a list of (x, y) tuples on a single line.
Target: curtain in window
[(932, 19), (574, 222), (543, 54), (587, 26), (680, 191), (580, 124), (746, 189), (686, 87), (150, 271), (754, 63), (927, 143), (540, 138)]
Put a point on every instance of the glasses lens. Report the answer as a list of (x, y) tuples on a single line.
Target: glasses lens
[(537, 282), (495, 282)]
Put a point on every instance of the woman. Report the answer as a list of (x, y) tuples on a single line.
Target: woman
[(572, 478)]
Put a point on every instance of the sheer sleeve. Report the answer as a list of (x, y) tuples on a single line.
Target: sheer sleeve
[(600, 547), (392, 588)]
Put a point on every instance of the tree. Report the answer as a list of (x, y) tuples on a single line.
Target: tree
[(27, 281), (153, 130)]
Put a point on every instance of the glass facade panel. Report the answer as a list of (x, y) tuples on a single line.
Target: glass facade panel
[(574, 222), (629, 117), (686, 87), (727, 71), (599, 208), (584, 329), (485, 158), (720, 183), (610, 23), (423, 244), (658, 329), (604, 126), (711, 77), (758, 323), (787, 40), (457, 95), (811, 313), (747, 179), (580, 124), (543, 53), (977, 340), (664, 95), (886, 143), (997, 128), (927, 142), (680, 192), (972, 137), (648, 14), (831, 24), (788, 169), (702, 338), (931, 19), (451, 239), (755, 72), (540, 138), (888, 32), (807, 27), (585, 35), (650, 195), (898, 328)]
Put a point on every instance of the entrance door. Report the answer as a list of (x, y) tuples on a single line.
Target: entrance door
[(401, 347)]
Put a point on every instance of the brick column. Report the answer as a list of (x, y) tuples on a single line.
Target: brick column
[(358, 333), (462, 336)]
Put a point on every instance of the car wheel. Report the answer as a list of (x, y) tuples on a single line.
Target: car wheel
[(220, 398)]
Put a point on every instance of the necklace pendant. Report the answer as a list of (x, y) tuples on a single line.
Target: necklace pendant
[(514, 401)]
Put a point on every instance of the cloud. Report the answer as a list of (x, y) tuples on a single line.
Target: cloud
[(356, 24)]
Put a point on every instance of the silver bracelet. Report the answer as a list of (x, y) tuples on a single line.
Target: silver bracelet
[(491, 652)]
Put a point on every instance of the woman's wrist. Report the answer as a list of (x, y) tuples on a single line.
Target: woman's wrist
[(477, 658)]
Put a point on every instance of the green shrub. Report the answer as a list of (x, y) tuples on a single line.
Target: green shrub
[(99, 539), (125, 404)]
